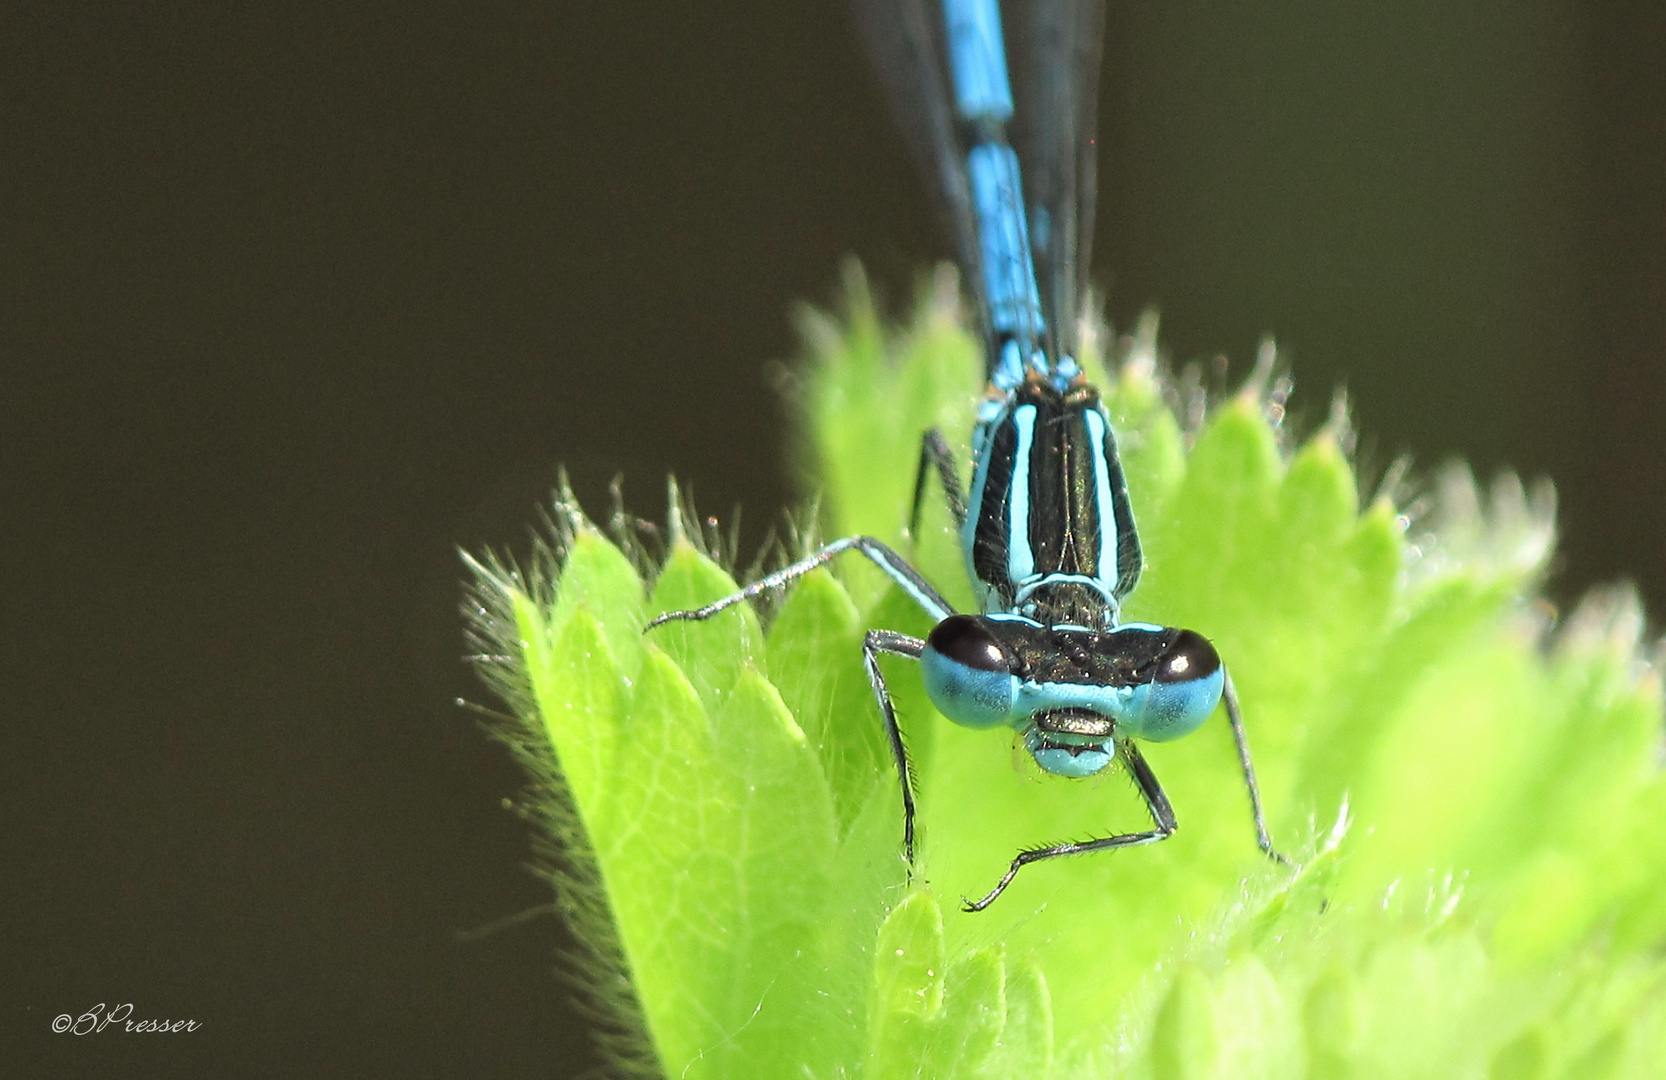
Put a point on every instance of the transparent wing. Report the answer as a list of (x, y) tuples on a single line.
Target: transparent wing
[(904, 38), (1053, 54)]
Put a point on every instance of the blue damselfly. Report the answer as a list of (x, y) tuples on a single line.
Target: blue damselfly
[(1046, 526)]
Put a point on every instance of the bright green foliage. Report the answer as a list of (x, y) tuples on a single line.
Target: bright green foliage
[(1474, 803)]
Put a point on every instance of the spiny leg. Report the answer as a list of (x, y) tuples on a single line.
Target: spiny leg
[(1234, 718), (935, 452), (895, 644), (1162, 816), (892, 564)]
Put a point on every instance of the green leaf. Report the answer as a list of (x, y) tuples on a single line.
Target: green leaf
[(599, 578), (1184, 1042), (662, 850), (580, 696), (815, 653), (1333, 1023), (1473, 797), (711, 653), (1026, 1043), (907, 990)]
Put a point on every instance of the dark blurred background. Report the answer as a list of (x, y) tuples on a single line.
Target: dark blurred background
[(296, 302)]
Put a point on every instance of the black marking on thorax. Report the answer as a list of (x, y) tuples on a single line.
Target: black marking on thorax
[(1052, 654), (1052, 460)]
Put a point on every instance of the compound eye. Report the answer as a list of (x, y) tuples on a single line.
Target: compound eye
[(1183, 691), (967, 674), (966, 640), (1190, 658)]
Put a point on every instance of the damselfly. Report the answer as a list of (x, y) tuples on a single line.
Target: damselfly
[(1046, 527)]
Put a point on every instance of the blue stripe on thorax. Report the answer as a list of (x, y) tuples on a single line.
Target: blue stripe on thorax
[(1107, 502), (1020, 556)]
